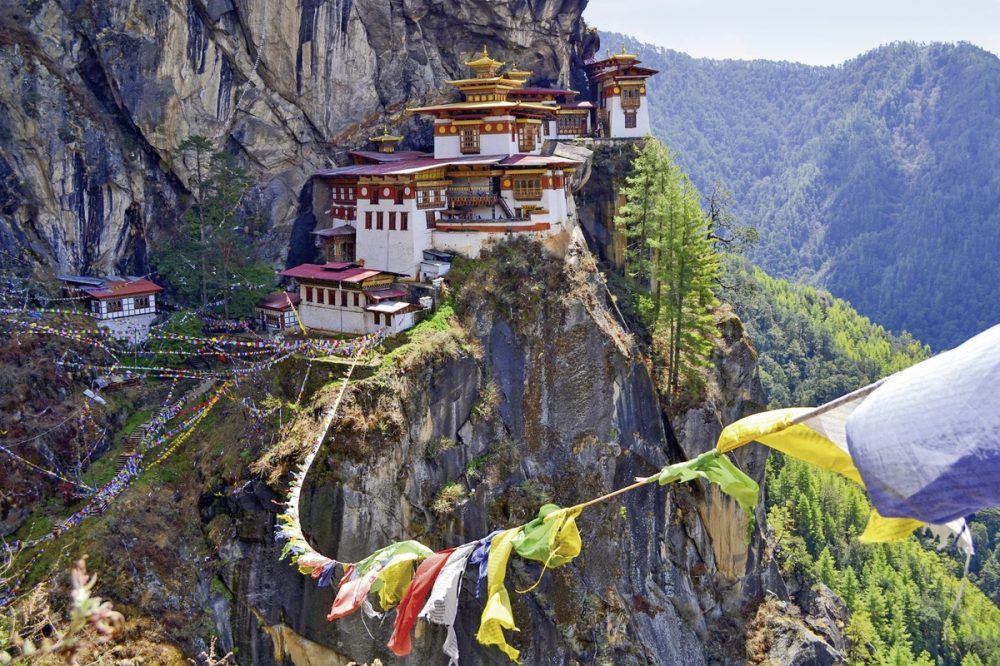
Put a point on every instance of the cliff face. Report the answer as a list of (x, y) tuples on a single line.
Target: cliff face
[(550, 403), (97, 96)]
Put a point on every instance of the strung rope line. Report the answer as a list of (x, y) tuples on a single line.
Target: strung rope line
[(253, 71), (288, 300)]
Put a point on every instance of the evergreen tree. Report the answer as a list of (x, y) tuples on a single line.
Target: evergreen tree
[(219, 233), (670, 254)]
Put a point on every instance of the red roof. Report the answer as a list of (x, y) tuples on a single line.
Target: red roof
[(540, 91), (278, 301), (332, 272), (119, 288), (384, 294), (409, 166), (404, 167), (379, 158), (536, 161), (342, 230)]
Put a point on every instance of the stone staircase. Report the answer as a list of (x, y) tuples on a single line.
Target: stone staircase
[(131, 446)]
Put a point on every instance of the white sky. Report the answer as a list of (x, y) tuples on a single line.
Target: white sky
[(816, 32)]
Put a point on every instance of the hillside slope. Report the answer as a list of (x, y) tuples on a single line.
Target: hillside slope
[(877, 179)]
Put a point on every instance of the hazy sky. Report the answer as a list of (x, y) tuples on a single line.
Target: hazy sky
[(809, 31)]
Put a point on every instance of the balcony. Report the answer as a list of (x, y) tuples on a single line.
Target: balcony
[(471, 197), (449, 219)]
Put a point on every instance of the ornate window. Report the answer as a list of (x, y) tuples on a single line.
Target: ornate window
[(630, 119), (470, 140), (571, 124), (630, 97), (527, 188), (526, 138)]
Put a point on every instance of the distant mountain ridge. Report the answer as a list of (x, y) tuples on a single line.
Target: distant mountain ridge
[(878, 179)]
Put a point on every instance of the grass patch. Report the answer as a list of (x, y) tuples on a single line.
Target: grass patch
[(103, 469), (448, 498), (436, 337), (435, 447)]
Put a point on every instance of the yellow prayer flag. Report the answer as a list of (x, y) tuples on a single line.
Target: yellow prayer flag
[(497, 615)]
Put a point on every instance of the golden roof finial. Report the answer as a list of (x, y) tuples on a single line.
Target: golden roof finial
[(608, 51), (486, 54), (623, 50)]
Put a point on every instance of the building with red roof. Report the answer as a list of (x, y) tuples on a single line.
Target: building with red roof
[(346, 297), (278, 311), (487, 178), (619, 85), (126, 306)]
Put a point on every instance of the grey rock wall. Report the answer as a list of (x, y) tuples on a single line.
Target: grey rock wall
[(575, 415)]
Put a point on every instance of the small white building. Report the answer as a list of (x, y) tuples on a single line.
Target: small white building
[(124, 306), (620, 89), (277, 312), (344, 297)]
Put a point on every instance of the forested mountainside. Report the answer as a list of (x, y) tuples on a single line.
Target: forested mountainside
[(878, 179), (811, 348)]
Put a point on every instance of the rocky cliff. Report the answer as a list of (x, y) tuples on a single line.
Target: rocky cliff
[(96, 96), (542, 397)]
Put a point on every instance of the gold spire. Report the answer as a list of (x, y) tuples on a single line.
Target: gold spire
[(623, 55), (484, 67), (387, 142), (518, 75)]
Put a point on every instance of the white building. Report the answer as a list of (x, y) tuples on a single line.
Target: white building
[(343, 297), (124, 306), (620, 90), (277, 312)]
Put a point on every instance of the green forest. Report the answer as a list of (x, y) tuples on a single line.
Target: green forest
[(811, 348), (875, 179)]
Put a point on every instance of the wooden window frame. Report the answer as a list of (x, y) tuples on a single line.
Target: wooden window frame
[(468, 140), (404, 221), (631, 98), (356, 300), (309, 294), (368, 219), (378, 220), (526, 138), (392, 220), (343, 298), (631, 119), (527, 188)]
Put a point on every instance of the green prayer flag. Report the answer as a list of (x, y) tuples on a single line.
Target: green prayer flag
[(390, 551), (717, 468), (552, 538)]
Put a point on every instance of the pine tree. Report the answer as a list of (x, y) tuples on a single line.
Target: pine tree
[(219, 233), (669, 254)]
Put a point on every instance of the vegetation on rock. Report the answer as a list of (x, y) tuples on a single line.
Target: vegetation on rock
[(214, 255), (670, 256)]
